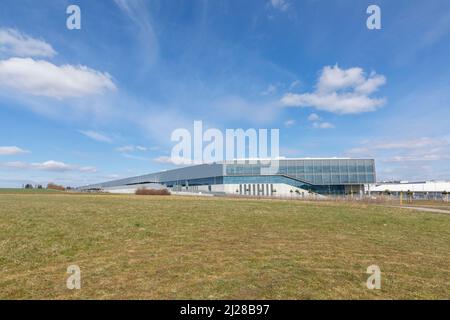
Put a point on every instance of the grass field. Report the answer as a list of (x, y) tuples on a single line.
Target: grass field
[(153, 247)]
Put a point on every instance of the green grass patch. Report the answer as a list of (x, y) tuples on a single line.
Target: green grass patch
[(27, 191), (214, 248)]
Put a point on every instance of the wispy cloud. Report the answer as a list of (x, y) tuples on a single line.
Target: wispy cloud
[(271, 89), (138, 12), (323, 125), (233, 107), (318, 123), (97, 136), (342, 91), (313, 117), (407, 158), (11, 151), (51, 165), (289, 123), (295, 84), (164, 159), (436, 31), (423, 143), (134, 157), (125, 149), (417, 158), (131, 148), (15, 43), (282, 5)]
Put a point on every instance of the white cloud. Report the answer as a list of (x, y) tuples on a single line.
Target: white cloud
[(289, 123), (50, 165), (18, 44), (340, 91), (335, 78), (282, 5), (141, 148), (336, 103), (42, 78), (323, 125), (313, 117), (11, 150), (97, 136), (317, 123)]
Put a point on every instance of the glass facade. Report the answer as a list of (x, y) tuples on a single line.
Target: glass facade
[(325, 176), (194, 182), (311, 171)]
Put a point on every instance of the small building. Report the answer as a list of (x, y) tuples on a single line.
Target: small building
[(432, 190)]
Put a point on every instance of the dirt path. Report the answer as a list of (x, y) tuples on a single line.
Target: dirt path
[(424, 209)]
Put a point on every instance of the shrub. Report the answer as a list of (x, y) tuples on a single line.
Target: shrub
[(152, 192), (52, 186)]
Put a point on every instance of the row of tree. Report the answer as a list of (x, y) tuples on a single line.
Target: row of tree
[(50, 186)]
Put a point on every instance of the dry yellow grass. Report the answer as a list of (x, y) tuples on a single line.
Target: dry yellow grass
[(212, 248)]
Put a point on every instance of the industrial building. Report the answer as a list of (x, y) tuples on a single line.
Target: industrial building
[(284, 177), (432, 190)]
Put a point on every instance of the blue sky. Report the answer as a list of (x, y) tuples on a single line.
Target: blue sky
[(81, 106)]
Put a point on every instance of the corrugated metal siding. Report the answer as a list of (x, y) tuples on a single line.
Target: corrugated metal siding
[(193, 172)]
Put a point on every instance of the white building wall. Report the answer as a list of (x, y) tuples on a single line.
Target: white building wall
[(270, 190), (265, 189), (132, 189), (422, 187)]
